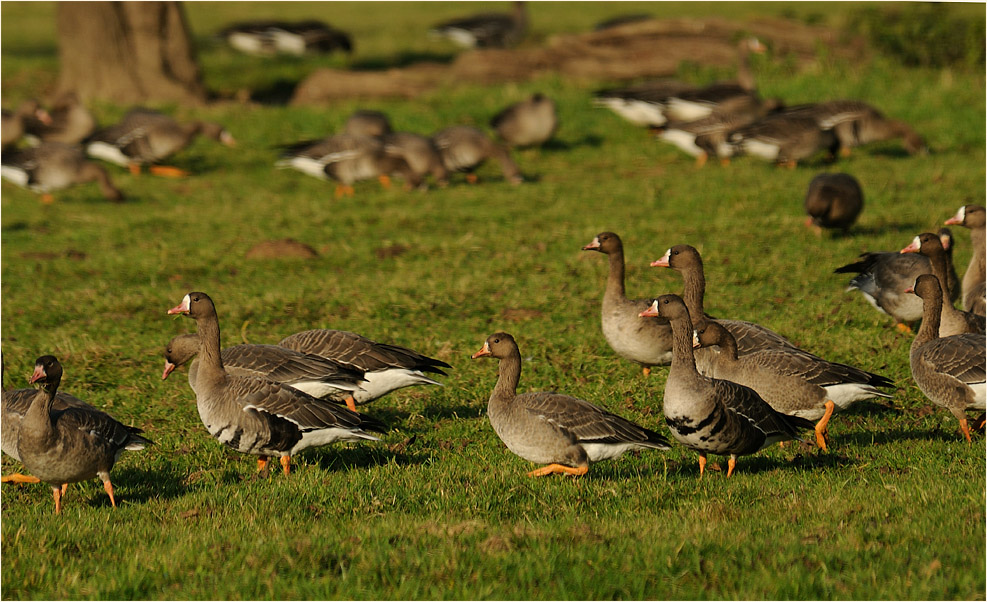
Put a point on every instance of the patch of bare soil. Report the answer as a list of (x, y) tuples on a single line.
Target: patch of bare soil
[(281, 249)]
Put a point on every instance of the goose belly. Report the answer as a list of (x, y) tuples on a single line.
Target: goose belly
[(15, 175), (683, 140), (109, 153), (716, 432), (382, 382), (320, 437), (637, 342), (308, 166), (597, 452), (845, 394), (759, 148), (638, 112), (979, 396), (323, 390), (686, 110)]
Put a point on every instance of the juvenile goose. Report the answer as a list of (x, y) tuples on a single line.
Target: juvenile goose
[(856, 123), (486, 30), (262, 417), (386, 367), (13, 124), (144, 137), (73, 444), (950, 371), (531, 122), (564, 432), (974, 286), (267, 38), (796, 384), (833, 200), (344, 158), (952, 321), (53, 166), (464, 148), (646, 342), (318, 376), (420, 156), (709, 415), (782, 138), (69, 121)]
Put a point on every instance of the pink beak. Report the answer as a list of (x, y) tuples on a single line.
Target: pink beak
[(956, 220), (593, 245), (181, 308), (912, 248), (663, 262), (651, 312), (168, 369), (39, 373)]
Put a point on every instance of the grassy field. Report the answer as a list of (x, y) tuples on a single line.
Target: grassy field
[(440, 509)]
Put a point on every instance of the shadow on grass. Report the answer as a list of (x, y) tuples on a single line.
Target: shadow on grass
[(401, 59), (895, 437), (364, 456)]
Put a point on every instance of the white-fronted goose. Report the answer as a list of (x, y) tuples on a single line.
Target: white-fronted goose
[(464, 148), (974, 285), (709, 415), (345, 159), (262, 417), (707, 137), (365, 122), (267, 38), (13, 124), (318, 376), (833, 200), (856, 123), (782, 138), (564, 432), (69, 121), (72, 444), (646, 342), (796, 384), (419, 154), (951, 321), (643, 104), (53, 166), (950, 371), (531, 122), (386, 367), (486, 30), (145, 137)]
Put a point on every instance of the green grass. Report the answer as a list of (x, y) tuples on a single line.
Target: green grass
[(894, 511)]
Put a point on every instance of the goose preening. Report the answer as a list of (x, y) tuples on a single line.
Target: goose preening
[(833, 200), (267, 38), (710, 415), (344, 158), (386, 367), (531, 122), (486, 30), (53, 166), (950, 371), (13, 124), (564, 432), (257, 416), (69, 121), (974, 286), (60, 446), (464, 149), (855, 123), (645, 342), (951, 321), (797, 384), (146, 137)]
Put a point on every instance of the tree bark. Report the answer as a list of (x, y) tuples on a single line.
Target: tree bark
[(127, 52)]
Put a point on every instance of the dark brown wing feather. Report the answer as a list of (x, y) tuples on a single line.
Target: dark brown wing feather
[(360, 352), (586, 422)]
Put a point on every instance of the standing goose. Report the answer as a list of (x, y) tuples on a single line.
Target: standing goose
[(855, 123), (53, 166), (707, 137), (144, 137), (709, 415), (487, 30), (796, 384), (73, 444), (952, 321), (646, 342), (950, 371), (782, 138), (69, 121), (344, 158), (262, 417), (564, 432), (318, 376), (464, 148), (386, 367), (531, 122), (833, 200), (974, 286)]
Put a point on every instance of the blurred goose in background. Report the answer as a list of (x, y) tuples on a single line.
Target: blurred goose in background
[(267, 38), (856, 123), (974, 285), (707, 137), (950, 371), (53, 166), (69, 121), (709, 415), (833, 200), (531, 122), (782, 138), (345, 159), (487, 30), (13, 124), (642, 104), (622, 20), (952, 321), (420, 156), (144, 137), (564, 432), (364, 122), (464, 148)]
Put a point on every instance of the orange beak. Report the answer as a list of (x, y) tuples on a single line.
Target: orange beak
[(485, 350), (651, 312)]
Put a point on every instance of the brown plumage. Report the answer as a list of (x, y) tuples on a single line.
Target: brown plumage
[(833, 200), (952, 321), (975, 277), (464, 149)]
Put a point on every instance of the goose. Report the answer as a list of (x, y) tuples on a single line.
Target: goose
[(365, 122), (420, 156), (707, 136), (974, 287), (386, 367), (565, 433), (486, 30), (344, 158), (318, 376), (643, 104), (782, 138), (53, 166), (267, 38), (710, 415), (464, 148), (13, 124), (833, 200), (796, 384), (531, 122), (69, 121), (855, 123), (951, 321), (145, 136), (72, 444), (257, 416), (645, 342), (882, 277), (950, 371)]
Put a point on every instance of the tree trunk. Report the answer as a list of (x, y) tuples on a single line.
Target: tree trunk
[(127, 52)]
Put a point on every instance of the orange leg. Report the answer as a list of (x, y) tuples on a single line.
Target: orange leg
[(725, 161), (286, 464), (646, 370), (109, 491), (47, 199), (135, 169), (701, 159), (702, 464), (19, 478), (261, 463), (350, 403), (731, 464), (844, 151), (981, 422), (905, 328), (56, 492), (385, 181), (965, 427), (168, 171), (822, 427), (559, 468), (344, 190), (65, 487), (471, 178)]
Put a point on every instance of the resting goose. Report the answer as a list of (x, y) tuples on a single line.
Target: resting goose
[(782, 138), (709, 415), (262, 417), (464, 148), (486, 30), (646, 342), (974, 286), (144, 137), (950, 371), (796, 384), (267, 38), (564, 432), (13, 124), (317, 376), (856, 123), (951, 320), (386, 367), (833, 200), (72, 444), (53, 166), (344, 158), (531, 122), (69, 121)]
